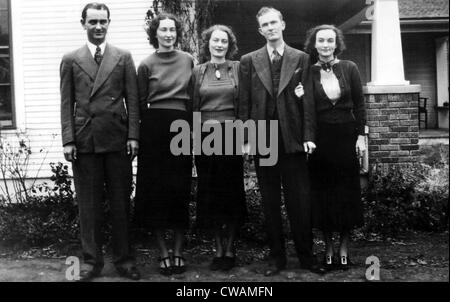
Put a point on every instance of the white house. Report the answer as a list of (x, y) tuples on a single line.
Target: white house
[(34, 35)]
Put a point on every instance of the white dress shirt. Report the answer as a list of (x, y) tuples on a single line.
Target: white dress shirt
[(280, 50), (330, 83), (93, 48)]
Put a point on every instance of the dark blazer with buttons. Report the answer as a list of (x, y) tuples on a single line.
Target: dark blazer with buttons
[(351, 106), (99, 105), (296, 116)]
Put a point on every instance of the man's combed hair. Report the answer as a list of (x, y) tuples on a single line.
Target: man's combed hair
[(265, 9), (94, 5), (154, 24), (232, 41), (310, 44)]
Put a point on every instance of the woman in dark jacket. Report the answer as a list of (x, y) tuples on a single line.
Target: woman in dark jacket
[(221, 197), (341, 119), (163, 179)]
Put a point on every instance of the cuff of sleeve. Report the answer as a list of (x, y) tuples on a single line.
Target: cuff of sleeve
[(362, 130), (309, 138), (68, 143)]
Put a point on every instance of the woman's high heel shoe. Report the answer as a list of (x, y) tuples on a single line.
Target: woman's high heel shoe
[(344, 262), (178, 265), (328, 263), (165, 266)]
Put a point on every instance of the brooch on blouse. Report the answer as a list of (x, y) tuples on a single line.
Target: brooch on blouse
[(326, 65)]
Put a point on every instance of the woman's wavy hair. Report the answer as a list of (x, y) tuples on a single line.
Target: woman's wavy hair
[(232, 42), (153, 25), (311, 41)]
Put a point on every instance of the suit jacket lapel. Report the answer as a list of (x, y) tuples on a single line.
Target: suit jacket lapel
[(261, 61), (109, 62), (85, 60), (290, 62)]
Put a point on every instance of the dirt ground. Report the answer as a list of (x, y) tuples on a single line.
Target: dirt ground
[(412, 257)]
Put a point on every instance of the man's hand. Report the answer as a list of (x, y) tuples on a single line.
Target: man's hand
[(361, 145), (309, 147), (132, 148), (70, 152)]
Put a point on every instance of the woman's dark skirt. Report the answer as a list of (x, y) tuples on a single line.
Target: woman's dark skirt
[(220, 193), (163, 179), (334, 170)]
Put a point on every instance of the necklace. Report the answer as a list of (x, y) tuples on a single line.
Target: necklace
[(217, 72)]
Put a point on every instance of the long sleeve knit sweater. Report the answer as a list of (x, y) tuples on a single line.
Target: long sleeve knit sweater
[(163, 80)]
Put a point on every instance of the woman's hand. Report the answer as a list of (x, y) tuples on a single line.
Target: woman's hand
[(132, 148), (246, 149), (299, 92), (361, 145)]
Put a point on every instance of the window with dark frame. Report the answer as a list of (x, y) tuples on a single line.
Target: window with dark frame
[(6, 85)]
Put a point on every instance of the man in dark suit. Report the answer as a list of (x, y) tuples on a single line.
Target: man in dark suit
[(270, 80), (100, 132)]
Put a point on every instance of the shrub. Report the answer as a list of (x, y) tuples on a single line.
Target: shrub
[(401, 199), (48, 216), (254, 229), (408, 198)]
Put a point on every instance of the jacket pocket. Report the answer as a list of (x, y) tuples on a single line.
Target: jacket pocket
[(124, 118), (79, 120), (80, 124)]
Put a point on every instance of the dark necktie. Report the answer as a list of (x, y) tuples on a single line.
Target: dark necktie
[(98, 55), (276, 60)]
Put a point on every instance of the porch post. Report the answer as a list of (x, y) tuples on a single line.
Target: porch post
[(387, 55), (392, 103)]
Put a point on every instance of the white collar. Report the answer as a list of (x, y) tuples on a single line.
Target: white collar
[(280, 49), (93, 48)]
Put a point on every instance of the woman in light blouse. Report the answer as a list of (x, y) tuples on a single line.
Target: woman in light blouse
[(341, 119)]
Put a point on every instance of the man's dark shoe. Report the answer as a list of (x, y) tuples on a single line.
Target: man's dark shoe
[(273, 269), (130, 272), (87, 275), (315, 268), (216, 264), (228, 263)]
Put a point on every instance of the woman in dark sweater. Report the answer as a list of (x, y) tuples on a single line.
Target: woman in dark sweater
[(341, 119), (220, 197), (163, 179)]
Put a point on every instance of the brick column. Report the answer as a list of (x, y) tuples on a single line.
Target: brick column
[(393, 128), (392, 103)]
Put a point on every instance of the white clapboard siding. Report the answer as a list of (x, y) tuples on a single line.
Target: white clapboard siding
[(47, 30)]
